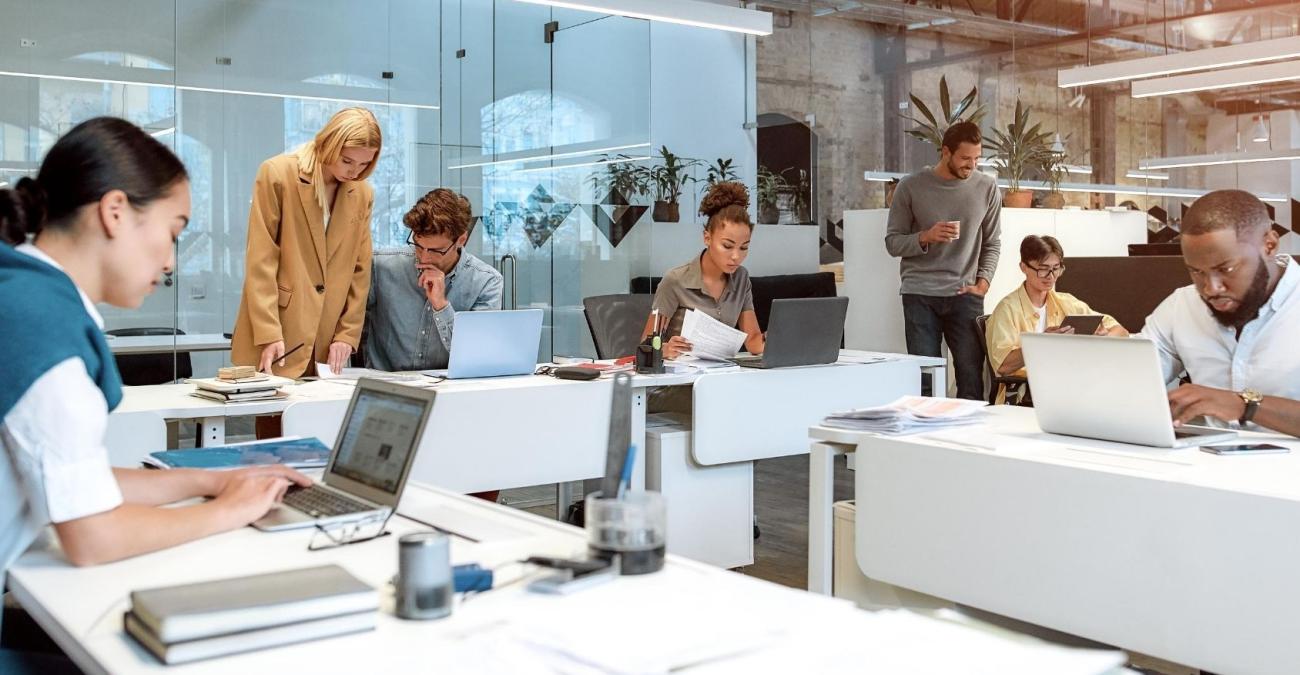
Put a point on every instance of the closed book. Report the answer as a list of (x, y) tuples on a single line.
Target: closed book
[(217, 384), (211, 608), (246, 641), (244, 396), (299, 453)]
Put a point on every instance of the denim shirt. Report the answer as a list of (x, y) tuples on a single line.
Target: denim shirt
[(403, 332)]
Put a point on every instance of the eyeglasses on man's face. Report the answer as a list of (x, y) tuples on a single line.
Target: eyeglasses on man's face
[(1045, 272), (410, 239)]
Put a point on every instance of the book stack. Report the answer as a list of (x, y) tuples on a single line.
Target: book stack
[(191, 622), (243, 387)]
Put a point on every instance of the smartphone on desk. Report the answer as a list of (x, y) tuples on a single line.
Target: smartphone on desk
[(1245, 449)]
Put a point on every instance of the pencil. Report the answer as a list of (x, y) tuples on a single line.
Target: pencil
[(286, 354)]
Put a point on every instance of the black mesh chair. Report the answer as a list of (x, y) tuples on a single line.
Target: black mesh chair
[(616, 322), (1017, 387), (782, 286), (137, 369)]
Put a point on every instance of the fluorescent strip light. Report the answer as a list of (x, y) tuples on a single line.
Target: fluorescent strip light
[(162, 132), (886, 176), (212, 90), (1081, 169), (1289, 155), (684, 12), (1184, 62), (1146, 175), (542, 158), (1225, 78), (616, 160)]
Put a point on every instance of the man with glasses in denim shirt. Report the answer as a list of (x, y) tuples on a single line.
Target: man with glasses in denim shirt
[(416, 291)]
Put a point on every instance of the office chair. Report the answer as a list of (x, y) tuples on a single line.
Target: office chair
[(1017, 387), (137, 369), (616, 322)]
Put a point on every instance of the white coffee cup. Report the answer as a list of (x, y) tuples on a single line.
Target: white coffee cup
[(956, 224)]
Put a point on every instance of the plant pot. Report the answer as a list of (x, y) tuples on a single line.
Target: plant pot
[(787, 206), (1018, 199), (768, 214), (666, 212), (1054, 200)]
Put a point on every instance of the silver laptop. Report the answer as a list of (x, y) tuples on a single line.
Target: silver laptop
[(493, 344), (801, 332), (368, 467), (1106, 388)]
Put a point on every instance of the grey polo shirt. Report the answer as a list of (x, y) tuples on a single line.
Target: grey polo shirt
[(403, 332), (682, 288)]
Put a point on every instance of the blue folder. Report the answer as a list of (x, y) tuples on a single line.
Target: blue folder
[(300, 453)]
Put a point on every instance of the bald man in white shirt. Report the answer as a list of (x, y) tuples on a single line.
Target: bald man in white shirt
[(1233, 330)]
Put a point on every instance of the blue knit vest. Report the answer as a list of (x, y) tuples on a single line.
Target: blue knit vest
[(43, 322)]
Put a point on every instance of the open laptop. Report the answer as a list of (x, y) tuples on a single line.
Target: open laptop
[(801, 332), (493, 344), (368, 466), (1105, 388)]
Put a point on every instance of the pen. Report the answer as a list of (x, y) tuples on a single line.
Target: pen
[(625, 481), (656, 322), (286, 354)]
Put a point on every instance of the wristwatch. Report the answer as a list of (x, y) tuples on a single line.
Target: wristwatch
[(1252, 399)]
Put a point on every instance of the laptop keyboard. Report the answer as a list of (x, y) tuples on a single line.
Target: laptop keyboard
[(321, 503)]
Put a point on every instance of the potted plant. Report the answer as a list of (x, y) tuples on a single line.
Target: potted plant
[(624, 178), (668, 178), (770, 185), (721, 171), (930, 129), (1017, 150), (1053, 166)]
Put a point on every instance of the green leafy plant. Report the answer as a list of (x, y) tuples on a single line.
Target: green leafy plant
[(929, 126), (768, 185), (1053, 165), (669, 176), (721, 171), (1021, 147), (624, 177)]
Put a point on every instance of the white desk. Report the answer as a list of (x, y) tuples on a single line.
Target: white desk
[(165, 344), (769, 628), (1180, 554)]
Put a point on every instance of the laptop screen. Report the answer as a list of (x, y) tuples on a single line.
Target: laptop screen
[(378, 438)]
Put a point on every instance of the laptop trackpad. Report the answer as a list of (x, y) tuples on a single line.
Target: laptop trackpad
[(283, 518)]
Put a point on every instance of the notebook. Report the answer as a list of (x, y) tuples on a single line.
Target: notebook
[(235, 643), (224, 606), (299, 453)]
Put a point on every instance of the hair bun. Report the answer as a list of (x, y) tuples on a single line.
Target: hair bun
[(22, 211), (722, 195)]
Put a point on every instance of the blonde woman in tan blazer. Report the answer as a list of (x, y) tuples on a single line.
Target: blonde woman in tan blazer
[(307, 267)]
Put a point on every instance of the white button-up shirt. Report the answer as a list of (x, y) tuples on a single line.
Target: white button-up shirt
[(1264, 358), (53, 463)]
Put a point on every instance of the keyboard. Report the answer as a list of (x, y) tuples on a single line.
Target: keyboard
[(318, 502)]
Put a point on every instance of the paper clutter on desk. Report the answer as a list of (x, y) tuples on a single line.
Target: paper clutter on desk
[(910, 414)]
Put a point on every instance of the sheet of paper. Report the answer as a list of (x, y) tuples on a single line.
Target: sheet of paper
[(324, 372), (710, 338)]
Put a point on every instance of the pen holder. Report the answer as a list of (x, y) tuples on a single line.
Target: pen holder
[(649, 361), (634, 527)]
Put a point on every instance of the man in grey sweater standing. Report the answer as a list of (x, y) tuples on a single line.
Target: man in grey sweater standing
[(944, 224)]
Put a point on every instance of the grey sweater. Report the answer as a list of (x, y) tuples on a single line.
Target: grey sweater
[(923, 199)]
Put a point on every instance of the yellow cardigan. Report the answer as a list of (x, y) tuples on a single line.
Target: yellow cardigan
[(302, 282), (1015, 314)]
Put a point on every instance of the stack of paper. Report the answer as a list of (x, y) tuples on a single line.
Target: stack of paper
[(710, 338), (323, 372), (910, 414)]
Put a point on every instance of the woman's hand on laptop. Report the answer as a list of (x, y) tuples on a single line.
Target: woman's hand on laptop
[(248, 495), (1193, 400)]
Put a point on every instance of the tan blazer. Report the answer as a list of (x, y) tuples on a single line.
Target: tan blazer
[(302, 284)]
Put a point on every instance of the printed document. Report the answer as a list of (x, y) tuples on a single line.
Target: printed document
[(710, 338)]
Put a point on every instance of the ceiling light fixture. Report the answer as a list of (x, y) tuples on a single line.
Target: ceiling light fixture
[(1183, 62), (684, 12), (1146, 175), (886, 176), (1288, 155), (1221, 78), (1259, 132), (521, 158)]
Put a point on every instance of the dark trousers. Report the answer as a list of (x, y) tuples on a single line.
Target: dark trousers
[(928, 318)]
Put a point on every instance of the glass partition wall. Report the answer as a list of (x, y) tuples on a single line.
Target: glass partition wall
[(515, 105)]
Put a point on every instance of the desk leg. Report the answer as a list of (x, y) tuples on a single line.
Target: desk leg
[(563, 497), (212, 431), (638, 437), (821, 523), (938, 380)]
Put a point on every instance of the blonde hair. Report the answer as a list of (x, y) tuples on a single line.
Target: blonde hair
[(348, 128)]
